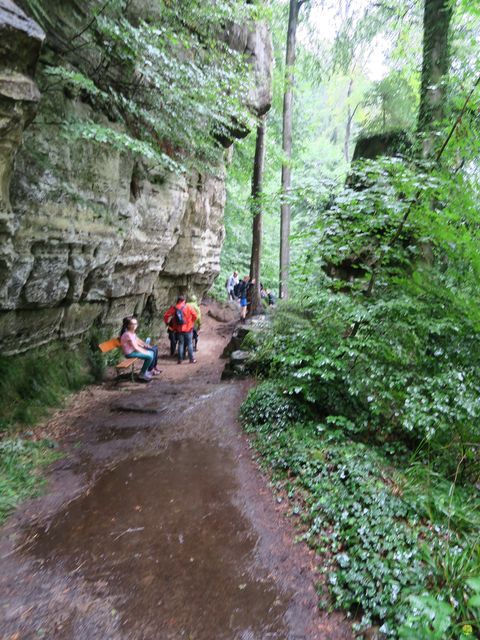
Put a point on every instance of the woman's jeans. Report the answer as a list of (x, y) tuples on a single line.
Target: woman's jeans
[(154, 349), (185, 342), (146, 357)]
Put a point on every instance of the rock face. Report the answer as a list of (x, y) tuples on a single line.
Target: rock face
[(90, 234), (20, 42), (256, 44), (381, 144)]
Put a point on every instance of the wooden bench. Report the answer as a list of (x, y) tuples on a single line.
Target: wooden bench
[(125, 366)]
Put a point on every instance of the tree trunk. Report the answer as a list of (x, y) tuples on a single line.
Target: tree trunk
[(257, 228), (435, 66), (287, 148), (348, 128)]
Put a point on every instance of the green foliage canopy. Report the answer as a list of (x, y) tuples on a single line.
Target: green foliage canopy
[(170, 84)]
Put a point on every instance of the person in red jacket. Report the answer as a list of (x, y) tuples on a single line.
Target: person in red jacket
[(181, 318)]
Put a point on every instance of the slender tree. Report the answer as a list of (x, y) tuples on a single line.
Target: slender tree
[(348, 127), (436, 23), (287, 146), (257, 228)]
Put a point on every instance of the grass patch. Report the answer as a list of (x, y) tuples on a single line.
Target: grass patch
[(20, 463), (33, 383)]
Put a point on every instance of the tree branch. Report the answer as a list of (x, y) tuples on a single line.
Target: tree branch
[(99, 12), (457, 121)]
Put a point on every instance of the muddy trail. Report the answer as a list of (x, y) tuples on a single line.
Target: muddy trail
[(157, 523)]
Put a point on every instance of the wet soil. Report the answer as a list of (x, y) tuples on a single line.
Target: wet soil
[(158, 524)]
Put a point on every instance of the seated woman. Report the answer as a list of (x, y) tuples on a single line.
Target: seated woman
[(134, 347), (150, 347)]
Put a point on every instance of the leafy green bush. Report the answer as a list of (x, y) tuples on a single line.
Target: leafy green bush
[(380, 341), (267, 405), (386, 472), (382, 544), (434, 619), (410, 374)]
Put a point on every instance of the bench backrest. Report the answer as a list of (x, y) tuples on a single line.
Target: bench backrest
[(109, 345)]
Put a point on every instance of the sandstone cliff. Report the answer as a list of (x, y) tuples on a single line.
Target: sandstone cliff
[(89, 234)]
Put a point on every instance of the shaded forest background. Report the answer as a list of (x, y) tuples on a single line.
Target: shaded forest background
[(357, 74)]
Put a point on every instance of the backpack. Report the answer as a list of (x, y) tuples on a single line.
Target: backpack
[(236, 289), (179, 318)]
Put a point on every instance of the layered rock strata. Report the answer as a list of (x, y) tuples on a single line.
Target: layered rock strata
[(90, 234)]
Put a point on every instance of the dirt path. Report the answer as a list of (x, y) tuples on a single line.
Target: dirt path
[(157, 523)]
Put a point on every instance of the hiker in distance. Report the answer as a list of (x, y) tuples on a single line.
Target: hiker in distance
[(173, 338), (134, 347), (181, 317), (267, 296), (193, 302), (230, 285), (241, 291)]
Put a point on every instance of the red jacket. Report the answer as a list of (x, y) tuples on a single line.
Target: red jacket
[(189, 315)]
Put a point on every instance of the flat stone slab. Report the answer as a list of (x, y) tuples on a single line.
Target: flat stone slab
[(137, 407), (227, 313), (239, 356)]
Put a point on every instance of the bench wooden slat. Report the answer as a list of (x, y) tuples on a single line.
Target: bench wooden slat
[(109, 345), (124, 365), (129, 362)]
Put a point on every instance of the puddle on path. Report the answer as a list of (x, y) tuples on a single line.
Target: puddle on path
[(161, 536)]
